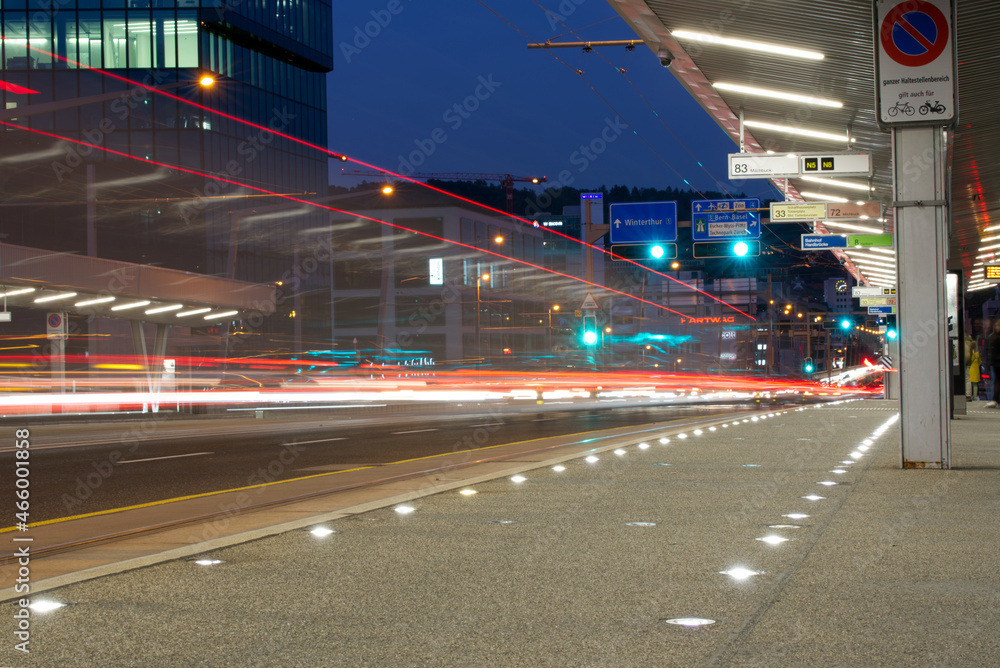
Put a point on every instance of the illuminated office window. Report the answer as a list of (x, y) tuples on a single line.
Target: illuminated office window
[(115, 40), (15, 42), (140, 50), (187, 39)]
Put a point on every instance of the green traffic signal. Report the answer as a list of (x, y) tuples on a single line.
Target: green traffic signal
[(656, 251), (891, 334), (590, 337), (808, 367), (846, 324), (710, 249)]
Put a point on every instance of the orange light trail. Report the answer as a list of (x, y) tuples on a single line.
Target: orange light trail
[(343, 157)]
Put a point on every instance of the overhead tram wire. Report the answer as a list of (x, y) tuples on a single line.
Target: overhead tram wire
[(596, 92), (641, 97), (336, 210), (343, 157), (723, 188)]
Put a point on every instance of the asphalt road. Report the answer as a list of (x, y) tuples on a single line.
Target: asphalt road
[(90, 467)]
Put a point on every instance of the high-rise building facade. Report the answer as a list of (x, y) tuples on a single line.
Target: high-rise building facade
[(270, 60)]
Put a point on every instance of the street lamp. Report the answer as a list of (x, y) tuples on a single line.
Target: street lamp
[(12, 113), (554, 307)]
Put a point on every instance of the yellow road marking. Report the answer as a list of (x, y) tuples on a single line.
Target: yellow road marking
[(308, 477)]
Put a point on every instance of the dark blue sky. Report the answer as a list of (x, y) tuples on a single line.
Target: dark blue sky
[(393, 97)]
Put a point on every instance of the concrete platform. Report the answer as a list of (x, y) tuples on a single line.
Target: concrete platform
[(584, 566)]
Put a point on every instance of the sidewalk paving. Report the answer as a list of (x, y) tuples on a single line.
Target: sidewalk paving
[(893, 567)]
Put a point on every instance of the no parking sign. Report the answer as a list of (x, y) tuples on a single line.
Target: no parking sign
[(915, 62), (55, 325)]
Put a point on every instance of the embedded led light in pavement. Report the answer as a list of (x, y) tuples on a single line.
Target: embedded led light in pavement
[(740, 573), (690, 621), (46, 605)]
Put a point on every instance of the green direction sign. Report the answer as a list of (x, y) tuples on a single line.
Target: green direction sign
[(868, 240)]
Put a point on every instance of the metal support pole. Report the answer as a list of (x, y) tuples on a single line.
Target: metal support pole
[(479, 308), (770, 332), (743, 146), (922, 240)]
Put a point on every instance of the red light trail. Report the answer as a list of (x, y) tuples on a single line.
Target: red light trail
[(340, 156), (336, 210)]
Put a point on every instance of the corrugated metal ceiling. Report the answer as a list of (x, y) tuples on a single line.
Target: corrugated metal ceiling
[(841, 30)]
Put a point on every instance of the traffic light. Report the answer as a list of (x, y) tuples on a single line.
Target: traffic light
[(652, 251), (589, 337), (846, 324), (891, 331), (730, 248), (808, 366)]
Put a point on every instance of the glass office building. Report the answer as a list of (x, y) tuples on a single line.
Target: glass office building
[(270, 59)]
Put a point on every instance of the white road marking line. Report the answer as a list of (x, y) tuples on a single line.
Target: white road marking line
[(153, 459), (414, 431), (320, 440)]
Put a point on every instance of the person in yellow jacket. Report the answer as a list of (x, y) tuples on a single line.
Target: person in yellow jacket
[(974, 375)]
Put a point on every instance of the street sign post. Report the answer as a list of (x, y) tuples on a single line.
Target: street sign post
[(793, 212), (859, 291), (719, 219), (766, 166), (877, 301), (841, 164), (869, 240), (643, 222), (821, 241), (853, 210), (762, 165), (797, 211), (915, 62)]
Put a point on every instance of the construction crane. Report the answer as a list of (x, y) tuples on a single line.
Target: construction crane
[(507, 179)]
